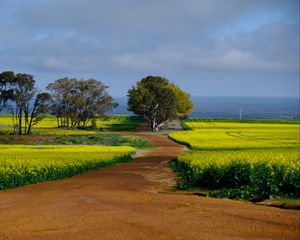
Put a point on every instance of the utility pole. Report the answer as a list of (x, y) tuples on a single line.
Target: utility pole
[(240, 113)]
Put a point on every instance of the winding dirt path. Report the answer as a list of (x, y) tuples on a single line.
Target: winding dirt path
[(132, 201)]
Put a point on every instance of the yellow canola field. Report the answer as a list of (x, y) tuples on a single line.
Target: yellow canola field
[(234, 125), (231, 136), (24, 164), (242, 159), (113, 122)]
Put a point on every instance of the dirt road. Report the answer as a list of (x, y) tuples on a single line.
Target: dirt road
[(131, 201)]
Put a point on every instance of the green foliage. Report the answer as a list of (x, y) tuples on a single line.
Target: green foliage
[(22, 164), (158, 101), (6, 90), (100, 139), (120, 122), (264, 173), (16, 93), (184, 105), (79, 102), (240, 160)]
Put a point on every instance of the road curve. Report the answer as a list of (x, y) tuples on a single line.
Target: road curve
[(132, 201)]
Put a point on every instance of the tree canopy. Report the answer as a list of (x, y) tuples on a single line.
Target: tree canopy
[(158, 101), (78, 102), (74, 102), (16, 92)]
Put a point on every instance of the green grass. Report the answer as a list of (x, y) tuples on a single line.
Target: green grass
[(58, 136), (120, 123), (100, 139), (240, 160)]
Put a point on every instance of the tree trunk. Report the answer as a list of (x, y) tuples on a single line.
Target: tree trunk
[(26, 122), (29, 129), (20, 122)]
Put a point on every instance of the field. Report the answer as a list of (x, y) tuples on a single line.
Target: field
[(22, 164), (112, 123), (237, 136), (51, 135), (51, 153), (241, 160)]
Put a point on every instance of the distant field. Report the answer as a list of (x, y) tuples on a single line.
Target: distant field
[(233, 136), (22, 164), (236, 120), (113, 123), (241, 159)]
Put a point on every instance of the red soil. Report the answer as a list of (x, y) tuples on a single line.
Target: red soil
[(133, 201)]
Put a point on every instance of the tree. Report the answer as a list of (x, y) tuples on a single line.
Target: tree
[(16, 93), (40, 108), (24, 91), (158, 101), (78, 102), (62, 92), (6, 91)]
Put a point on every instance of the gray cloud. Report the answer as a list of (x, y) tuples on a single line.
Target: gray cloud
[(129, 38)]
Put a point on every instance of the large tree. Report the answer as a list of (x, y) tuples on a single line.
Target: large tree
[(158, 101), (24, 91), (79, 102)]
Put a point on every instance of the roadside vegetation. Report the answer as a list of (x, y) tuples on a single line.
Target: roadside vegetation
[(250, 160), (94, 138)]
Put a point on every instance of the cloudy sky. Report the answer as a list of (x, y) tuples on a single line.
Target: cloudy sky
[(207, 47)]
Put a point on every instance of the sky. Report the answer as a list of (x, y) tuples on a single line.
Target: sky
[(206, 47)]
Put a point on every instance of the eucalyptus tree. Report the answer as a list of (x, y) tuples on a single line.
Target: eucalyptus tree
[(79, 102), (17, 91)]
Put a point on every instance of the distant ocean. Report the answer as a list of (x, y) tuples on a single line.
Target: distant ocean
[(236, 107)]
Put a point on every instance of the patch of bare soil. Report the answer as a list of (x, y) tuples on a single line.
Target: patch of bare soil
[(281, 203), (133, 201), (28, 139)]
